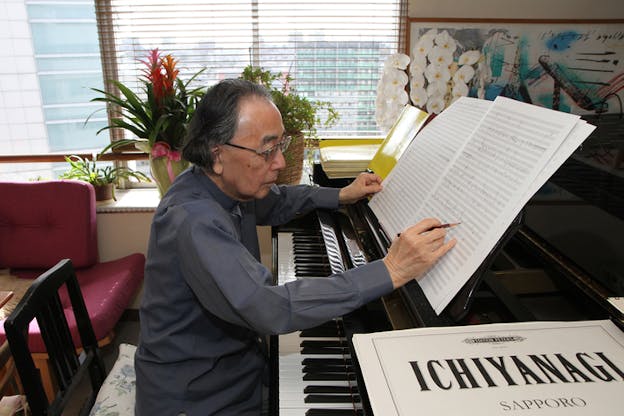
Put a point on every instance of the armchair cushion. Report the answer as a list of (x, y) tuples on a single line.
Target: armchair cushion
[(44, 222)]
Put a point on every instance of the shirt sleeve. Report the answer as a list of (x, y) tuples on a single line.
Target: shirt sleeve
[(283, 203), (235, 287)]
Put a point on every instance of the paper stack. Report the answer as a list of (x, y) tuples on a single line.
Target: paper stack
[(345, 158)]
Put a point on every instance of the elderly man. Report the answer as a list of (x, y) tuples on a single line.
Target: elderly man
[(208, 301)]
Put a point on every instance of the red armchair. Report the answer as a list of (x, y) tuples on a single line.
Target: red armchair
[(44, 222)]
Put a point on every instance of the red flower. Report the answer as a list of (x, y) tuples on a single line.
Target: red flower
[(162, 109), (161, 72)]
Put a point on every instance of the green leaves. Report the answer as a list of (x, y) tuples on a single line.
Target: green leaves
[(151, 119), (298, 113), (87, 170)]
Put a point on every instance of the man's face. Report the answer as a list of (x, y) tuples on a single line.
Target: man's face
[(243, 174)]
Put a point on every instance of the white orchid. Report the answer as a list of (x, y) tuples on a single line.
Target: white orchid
[(419, 62), (417, 80), (429, 35), (436, 104), (436, 78), (464, 74), (437, 73), (446, 42), (460, 89), (419, 97), (469, 58), (436, 88), (395, 78), (440, 56), (397, 61), (423, 46)]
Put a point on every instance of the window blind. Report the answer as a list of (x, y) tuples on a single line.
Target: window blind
[(334, 50)]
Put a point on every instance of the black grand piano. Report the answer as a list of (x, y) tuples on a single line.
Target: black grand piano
[(561, 259)]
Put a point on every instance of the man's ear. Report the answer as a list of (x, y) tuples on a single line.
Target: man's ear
[(217, 166)]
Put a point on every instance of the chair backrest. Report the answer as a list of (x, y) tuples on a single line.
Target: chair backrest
[(55, 219), (42, 302)]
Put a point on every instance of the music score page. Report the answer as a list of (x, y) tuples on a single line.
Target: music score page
[(477, 163)]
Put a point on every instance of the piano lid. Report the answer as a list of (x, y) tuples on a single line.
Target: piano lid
[(580, 211)]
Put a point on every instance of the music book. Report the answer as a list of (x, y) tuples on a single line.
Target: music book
[(527, 368), (346, 158), (478, 163)]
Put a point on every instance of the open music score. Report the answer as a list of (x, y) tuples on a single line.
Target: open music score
[(477, 162)]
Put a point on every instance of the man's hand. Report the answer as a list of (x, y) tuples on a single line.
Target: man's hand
[(416, 250), (364, 185)]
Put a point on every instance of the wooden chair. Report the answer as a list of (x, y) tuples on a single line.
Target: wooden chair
[(68, 365)]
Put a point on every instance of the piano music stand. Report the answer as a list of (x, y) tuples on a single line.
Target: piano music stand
[(412, 294), (460, 304)]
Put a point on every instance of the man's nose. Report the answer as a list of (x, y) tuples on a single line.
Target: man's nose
[(279, 161)]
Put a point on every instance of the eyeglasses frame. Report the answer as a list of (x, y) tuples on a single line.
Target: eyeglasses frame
[(271, 152)]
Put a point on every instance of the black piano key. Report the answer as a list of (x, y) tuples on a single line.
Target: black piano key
[(315, 274), (330, 389), (329, 376), (331, 398), (324, 350), (329, 343), (308, 245), (312, 271), (309, 258), (328, 329), (334, 412), (327, 369), (326, 361)]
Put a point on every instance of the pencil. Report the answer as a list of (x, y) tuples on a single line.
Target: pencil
[(446, 225)]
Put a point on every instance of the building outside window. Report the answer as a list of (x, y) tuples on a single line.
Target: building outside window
[(334, 53)]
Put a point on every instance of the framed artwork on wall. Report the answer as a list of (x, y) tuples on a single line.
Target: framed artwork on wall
[(573, 66)]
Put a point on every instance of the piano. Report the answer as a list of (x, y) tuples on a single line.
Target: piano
[(561, 259)]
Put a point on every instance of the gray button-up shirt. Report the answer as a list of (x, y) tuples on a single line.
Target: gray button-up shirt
[(208, 300)]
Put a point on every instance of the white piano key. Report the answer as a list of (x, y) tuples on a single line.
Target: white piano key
[(291, 383)]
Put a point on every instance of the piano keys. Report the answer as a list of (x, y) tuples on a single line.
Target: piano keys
[(315, 369)]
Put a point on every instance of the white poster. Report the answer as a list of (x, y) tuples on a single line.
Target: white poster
[(537, 368)]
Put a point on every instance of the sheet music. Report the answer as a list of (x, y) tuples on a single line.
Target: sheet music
[(499, 164), (430, 154)]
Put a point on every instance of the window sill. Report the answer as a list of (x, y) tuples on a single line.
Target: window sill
[(131, 200)]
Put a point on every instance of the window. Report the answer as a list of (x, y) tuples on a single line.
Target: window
[(57, 50), (333, 49)]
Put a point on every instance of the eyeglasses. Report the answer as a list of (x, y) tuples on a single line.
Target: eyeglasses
[(271, 152)]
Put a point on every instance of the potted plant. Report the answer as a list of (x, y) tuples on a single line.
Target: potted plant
[(300, 116), (158, 117), (103, 178)]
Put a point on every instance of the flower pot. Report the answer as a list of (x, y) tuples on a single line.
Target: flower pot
[(104, 192), (291, 174), (165, 166)]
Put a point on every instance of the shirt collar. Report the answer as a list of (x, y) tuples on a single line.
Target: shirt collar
[(229, 204)]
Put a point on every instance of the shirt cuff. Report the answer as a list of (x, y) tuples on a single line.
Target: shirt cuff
[(372, 280), (327, 198)]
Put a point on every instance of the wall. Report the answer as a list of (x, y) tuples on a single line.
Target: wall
[(518, 9), (123, 233)]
